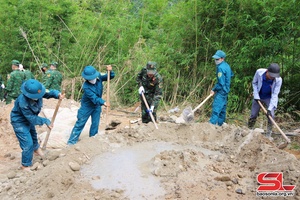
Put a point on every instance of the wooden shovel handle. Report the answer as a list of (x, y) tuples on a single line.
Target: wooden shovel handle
[(151, 115), (201, 104), (107, 97), (273, 121), (52, 122)]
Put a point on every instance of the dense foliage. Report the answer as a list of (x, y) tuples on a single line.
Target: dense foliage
[(181, 35)]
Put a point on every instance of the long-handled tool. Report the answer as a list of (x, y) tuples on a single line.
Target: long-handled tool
[(281, 146), (52, 122), (150, 113), (107, 99), (188, 114)]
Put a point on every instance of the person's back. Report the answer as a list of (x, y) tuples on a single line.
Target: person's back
[(57, 80), (14, 83), (28, 74), (53, 78)]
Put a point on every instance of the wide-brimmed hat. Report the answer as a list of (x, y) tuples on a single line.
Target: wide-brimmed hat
[(33, 89), (89, 73)]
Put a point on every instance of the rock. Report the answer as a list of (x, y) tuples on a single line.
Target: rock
[(96, 178), (239, 191), (35, 166), (235, 181), (222, 178), (46, 162), (7, 155), (11, 175), (115, 123), (74, 166), (53, 156), (258, 130)]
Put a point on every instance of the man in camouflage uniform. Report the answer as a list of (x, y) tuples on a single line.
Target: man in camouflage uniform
[(53, 78), (42, 76), (27, 73), (150, 83), (14, 82), (44, 68)]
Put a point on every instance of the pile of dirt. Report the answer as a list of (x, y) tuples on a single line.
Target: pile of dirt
[(193, 161)]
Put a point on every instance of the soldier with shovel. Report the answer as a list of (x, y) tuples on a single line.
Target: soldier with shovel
[(150, 87)]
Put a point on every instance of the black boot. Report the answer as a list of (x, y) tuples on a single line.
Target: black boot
[(251, 123)]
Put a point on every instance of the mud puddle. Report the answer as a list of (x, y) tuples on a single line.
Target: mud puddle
[(129, 169)]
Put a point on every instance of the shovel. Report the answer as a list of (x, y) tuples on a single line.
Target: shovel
[(283, 145), (188, 113), (108, 127), (52, 122), (151, 115)]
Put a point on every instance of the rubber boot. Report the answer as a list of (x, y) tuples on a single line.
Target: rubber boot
[(251, 123), (269, 131)]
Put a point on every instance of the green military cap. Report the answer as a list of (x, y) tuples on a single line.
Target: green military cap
[(44, 65), (151, 67), (15, 62), (54, 64)]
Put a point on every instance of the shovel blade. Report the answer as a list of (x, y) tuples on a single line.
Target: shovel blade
[(188, 114), (282, 145)]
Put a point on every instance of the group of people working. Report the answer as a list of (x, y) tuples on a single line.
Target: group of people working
[(51, 79), (28, 103)]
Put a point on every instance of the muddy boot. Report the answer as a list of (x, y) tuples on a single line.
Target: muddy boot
[(269, 131), (251, 123)]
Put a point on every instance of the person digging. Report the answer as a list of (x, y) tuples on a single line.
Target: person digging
[(24, 117)]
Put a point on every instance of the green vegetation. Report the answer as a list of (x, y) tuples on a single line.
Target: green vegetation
[(180, 35)]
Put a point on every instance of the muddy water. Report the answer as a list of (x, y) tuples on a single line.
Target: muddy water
[(129, 169)]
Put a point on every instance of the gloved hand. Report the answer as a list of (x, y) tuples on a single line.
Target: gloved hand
[(256, 100), (141, 90), (3, 86), (47, 121), (149, 111), (152, 108), (269, 113)]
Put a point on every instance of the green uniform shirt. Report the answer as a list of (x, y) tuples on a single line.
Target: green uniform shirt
[(28, 74), (53, 80), (152, 86), (14, 83)]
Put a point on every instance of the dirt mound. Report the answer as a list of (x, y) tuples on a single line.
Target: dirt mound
[(190, 161)]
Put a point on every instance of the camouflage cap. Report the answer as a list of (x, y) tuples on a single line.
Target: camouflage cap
[(15, 62), (151, 67), (44, 65), (54, 64)]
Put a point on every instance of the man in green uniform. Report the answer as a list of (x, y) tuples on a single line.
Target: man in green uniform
[(42, 73), (53, 78), (27, 73), (14, 82), (150, 84)]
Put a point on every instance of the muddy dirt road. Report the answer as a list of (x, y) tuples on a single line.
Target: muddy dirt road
[(137, 161)]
